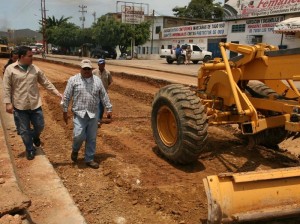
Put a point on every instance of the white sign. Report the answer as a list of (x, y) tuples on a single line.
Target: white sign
[(200, 30), (262, 25), (132, 14), (255, 8)]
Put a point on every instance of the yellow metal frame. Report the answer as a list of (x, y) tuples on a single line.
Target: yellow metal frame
[(253, 196), (219, 89)]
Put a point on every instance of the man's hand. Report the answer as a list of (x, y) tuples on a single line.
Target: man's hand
[(65, 114), (61, 96), (9, 108), (109, 115)]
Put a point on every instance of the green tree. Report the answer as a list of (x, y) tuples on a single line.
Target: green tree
[(109, 32), (201, 9), (105, 32), (66, 35), (52, 21)]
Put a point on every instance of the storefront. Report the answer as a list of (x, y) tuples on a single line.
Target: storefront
[(251, 22)]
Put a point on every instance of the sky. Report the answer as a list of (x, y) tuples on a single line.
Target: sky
[(25, 14)]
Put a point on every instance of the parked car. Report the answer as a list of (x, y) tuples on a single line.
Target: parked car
[(104, 52), (197, 54), (34, 49)]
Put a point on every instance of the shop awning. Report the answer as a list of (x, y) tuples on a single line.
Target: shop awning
[(291, 25)]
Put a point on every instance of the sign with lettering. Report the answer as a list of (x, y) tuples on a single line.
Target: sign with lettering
[(257, 8), (200, 30), (132, 14), (262, 25)]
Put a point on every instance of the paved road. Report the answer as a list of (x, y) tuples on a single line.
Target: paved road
[(155, 65)]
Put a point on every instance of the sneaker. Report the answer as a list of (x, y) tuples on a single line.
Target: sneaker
[(30, 154), (37, 142), (74, 156), (93, 164)]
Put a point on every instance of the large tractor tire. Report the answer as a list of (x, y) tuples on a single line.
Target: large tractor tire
[(179, 123), (273, 136)]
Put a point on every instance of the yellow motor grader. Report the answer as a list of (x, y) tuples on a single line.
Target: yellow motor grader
[(255, 90)]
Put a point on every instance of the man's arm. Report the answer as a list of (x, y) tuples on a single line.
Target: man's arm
[(106, 101), (42, 79), (109, 78), (7, 88), (66, 99)]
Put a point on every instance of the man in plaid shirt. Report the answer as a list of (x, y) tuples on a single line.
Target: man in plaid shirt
[(86, 90)]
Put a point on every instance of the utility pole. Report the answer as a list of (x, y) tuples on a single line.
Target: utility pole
[(152, 32), (94, 15), (82, 18), (44, 20)]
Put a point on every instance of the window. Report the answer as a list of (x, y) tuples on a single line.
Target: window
[(254, 39), (238, 28), (157, 29)]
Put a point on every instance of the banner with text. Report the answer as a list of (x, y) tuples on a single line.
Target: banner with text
[(255, 8), (200, 30), (262, 25)]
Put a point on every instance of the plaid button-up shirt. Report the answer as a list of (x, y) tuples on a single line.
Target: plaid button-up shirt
[(86, 94)]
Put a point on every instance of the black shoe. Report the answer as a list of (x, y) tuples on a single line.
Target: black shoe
[(93, 164), (30, 154), (74, 156), (37, 142)]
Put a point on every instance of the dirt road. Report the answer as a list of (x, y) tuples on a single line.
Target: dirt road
[(134, 184)]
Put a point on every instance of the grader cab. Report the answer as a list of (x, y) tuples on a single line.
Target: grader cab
[(255, 90)]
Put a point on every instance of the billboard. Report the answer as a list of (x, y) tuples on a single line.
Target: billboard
[(256, 8), (132, 14)]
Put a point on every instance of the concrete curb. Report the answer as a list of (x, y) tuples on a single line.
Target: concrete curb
[(44, 181)]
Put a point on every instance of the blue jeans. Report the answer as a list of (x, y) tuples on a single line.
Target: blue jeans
[(101, 110), (85, 129), (23, 120)]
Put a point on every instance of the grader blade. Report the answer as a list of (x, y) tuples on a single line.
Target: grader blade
[(253, 196)]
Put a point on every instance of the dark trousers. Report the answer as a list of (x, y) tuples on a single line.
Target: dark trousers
[(23, 120)]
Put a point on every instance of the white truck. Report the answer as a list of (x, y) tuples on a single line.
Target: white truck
[(197, 54)]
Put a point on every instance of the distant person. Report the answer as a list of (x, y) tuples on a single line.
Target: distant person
[(13, 58), (188, 54), (178, 52), (43, 53), (86, 90), (79, 52), (22, 98), (106, 79)]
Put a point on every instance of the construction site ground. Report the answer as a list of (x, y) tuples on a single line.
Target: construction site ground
[(134, 183)]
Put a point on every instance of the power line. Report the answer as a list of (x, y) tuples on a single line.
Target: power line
[(24, 6)]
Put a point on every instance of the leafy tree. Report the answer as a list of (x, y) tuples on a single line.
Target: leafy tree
[(52, 21), (109, 32), (66, 35), (105, 32), (202, 9)]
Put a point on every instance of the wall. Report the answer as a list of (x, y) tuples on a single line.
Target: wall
[(261, 27)]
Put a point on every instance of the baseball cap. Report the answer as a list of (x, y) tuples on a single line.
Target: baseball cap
[(85, 63), (101, 61)]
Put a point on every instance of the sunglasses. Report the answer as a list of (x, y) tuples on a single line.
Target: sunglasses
[(87, 69)]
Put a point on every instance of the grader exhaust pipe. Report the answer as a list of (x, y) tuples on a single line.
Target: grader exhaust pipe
[(253, 196)]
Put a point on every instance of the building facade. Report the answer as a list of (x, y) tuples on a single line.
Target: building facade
[(245, 22)]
